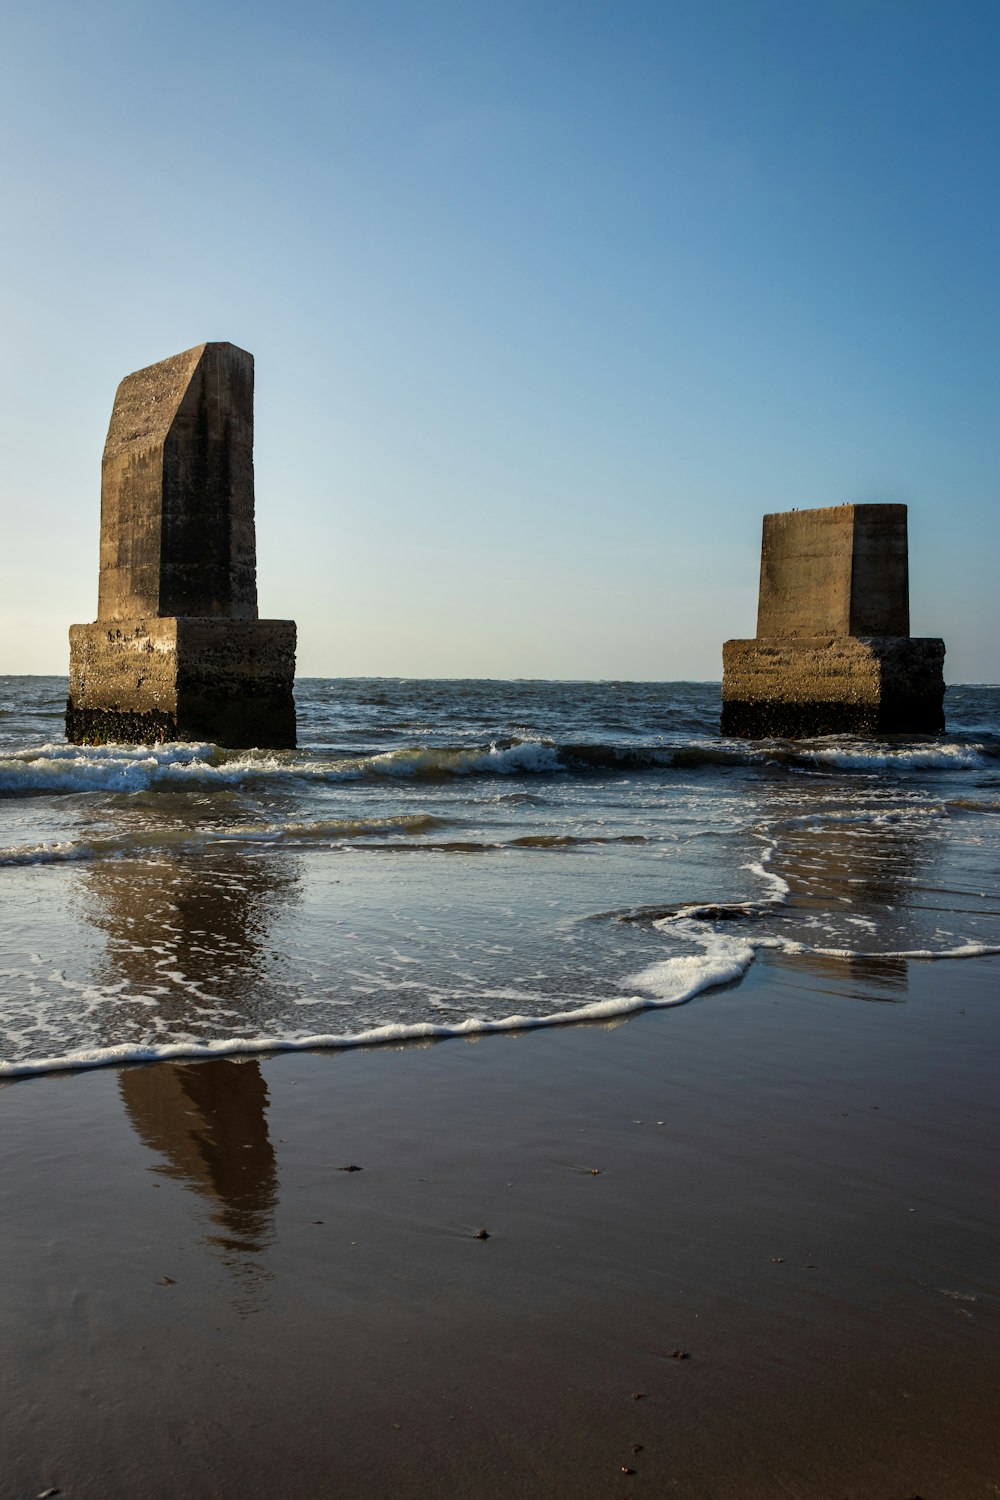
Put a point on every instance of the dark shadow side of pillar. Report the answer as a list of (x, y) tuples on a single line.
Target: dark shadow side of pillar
[(833, 652), (177, 651)]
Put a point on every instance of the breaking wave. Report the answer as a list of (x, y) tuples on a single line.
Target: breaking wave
[(879, 757), (55, 769)]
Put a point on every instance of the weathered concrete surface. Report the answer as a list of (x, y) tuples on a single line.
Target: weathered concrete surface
[(870, 685), (833, 653), (177, 498), (838, 570), (177, 651), (142, 681)]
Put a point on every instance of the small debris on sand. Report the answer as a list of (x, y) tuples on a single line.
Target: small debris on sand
[(351, 1168), (163, 1281), (680, 1354), (483, 1234)]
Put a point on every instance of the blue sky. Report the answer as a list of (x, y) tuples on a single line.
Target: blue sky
[(549, 303)]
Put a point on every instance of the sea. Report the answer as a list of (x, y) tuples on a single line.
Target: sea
[(453, 858)]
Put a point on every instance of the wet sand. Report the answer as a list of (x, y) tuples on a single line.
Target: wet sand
[(792, 1182)]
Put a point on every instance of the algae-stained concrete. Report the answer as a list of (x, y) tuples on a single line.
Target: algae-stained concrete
[(833, 653), (177, 651), (870, 685), (182, 678)]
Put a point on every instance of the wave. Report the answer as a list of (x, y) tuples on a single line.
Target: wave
[(122, 768), (539, 757), (52, 768), (185, 840), (570, 840), (869, 757), (45, 854), (673, 981), (971, 805), (115, 768), (382, 832)]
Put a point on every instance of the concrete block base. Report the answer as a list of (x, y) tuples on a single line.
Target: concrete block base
[(141, 681), (867, 685)]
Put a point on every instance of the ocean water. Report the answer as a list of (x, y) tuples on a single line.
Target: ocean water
[(451, 858)]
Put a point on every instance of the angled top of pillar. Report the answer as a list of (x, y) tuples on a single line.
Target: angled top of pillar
[(838, 570), (177, 496)]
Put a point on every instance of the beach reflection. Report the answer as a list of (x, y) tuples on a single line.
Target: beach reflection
[(208, 1123), (208, 1120), (189, 952), (857, 977), (870, 870), (188, 948), (854, 891)]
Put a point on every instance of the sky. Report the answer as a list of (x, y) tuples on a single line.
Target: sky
[(550, 301)]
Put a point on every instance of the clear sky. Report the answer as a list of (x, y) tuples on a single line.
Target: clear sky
[(550, 300)]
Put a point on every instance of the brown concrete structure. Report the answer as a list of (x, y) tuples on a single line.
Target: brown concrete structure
[(833, 653), (177, 651), (840, 570)]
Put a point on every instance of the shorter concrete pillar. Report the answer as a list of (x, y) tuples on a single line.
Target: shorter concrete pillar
[(833, 653), (177, 651)]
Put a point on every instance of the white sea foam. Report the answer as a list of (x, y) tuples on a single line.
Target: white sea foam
[(669, 982), (868, 757), (72, 768), (673, 980), (961, 950), (780, 889), (166, 754)]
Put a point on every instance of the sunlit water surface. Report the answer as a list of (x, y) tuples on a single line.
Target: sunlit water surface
[(444, 857)]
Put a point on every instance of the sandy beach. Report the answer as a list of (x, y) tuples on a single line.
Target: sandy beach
[(747, 1247), (500, 751)]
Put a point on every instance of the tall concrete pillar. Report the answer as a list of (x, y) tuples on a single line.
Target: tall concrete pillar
[(833, 652), (177, 651)]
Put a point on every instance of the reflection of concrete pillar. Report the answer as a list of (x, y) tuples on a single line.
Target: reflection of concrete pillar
[(833, 653), (867, 977), (838, 870), (177, 651), (189, 931), (209, 1123)]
